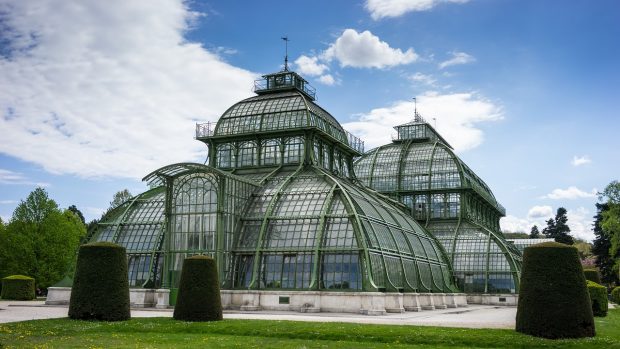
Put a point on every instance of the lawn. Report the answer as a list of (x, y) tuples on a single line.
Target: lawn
[(168, 333)]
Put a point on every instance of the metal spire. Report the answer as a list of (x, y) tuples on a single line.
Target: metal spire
[(286, 40), (417, 117)]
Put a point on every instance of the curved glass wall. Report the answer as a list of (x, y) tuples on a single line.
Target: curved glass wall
[(451, 201), (138, 225), (278, 207), (310, 230)]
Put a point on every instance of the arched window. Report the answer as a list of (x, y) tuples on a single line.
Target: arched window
[(226, 156), (271, 152), (326, 154), (247, 154), (293, 150)]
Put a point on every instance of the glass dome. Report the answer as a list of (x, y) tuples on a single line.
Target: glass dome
[(420, 170), (278, 207)]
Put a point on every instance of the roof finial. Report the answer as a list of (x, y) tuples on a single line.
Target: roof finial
[(417, 117), (286, 40)]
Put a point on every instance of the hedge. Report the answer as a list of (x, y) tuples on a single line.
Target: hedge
[(100, 285), (18, 287), (615, 295), (199, 291), (598, 298), (553, 299), (592, 275)]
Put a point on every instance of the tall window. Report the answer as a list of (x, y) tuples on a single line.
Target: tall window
[(271, 152), (421, 202), (247, 154), (293, 150), (226, 156)]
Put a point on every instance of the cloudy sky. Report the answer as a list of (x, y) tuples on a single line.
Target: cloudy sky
[(96, 94)]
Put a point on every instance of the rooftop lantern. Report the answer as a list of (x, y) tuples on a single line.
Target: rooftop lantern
[(418, 130)]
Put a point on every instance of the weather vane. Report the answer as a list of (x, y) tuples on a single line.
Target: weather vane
[(286, 40)]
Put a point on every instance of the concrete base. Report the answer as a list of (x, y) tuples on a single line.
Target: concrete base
[(58, 296), (368, 303), (493, 299), (138, 297)]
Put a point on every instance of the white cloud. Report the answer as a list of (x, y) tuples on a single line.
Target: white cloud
[(456, 117), (515, 224), (15, 178), (423, 78), (310, 66), (94, 211), (365, 50), (537, 212), (393, 8), (108, 88), (579, 222), (569, 193), (327, 79), (457, 58), (580, 160), (8, 202)]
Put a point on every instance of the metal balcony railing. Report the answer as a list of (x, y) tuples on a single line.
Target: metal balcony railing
[(205, 129), (355, 142)]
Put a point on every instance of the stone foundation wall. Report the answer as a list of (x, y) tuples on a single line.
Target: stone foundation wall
[(493, 299), (368, 303), (138, 297)]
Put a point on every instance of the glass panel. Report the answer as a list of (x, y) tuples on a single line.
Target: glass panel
[(340, 271)]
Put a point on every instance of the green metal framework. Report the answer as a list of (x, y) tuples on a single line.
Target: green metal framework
[(420, 170), (279, 207)]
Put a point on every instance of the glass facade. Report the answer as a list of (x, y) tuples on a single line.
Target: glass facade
[(420, 170), (278, 206)]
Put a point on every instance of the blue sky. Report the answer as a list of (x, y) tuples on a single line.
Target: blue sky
[(96, 95)]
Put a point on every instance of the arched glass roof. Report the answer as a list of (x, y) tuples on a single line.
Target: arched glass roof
[(325, 221), (277, 112), (407, 166), (137, 225)]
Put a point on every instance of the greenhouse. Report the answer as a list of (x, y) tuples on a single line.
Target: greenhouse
[(420, 169), (277, 204)]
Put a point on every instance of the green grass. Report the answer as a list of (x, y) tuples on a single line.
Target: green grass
[(168, 333)]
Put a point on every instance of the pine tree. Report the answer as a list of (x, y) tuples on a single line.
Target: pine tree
[(534, 233), (558, 228)]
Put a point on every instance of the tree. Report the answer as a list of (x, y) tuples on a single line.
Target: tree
[(611, 193), (601, 247), (534, 233), (558, 228), (515, 235), (120, 197), (77, 212), (41, 240), (610, 223)]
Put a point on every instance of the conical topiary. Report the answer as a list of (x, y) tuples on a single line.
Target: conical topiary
[(199, 291), (100, 286), (553, 299)]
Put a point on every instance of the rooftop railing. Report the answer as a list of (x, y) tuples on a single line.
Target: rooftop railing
[(205, 129), (355, 142), (284, 82)]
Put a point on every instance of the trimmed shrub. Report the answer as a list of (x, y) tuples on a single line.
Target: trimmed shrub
[(199, 291), (18, 287), (598, 298), (615, 295), (100, 285), (553, 299), (592, 275)]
